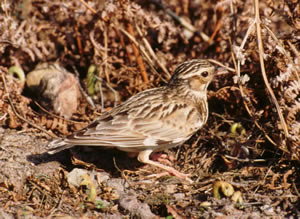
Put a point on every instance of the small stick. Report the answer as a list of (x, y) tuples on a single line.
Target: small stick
[(78, 40), (110, 87), (123, 44), (86, 96), (3, 116), (56, 116), (88, 7), (263, 70), (136, 52), (152, 53), (105, 54), (238, 70), (222, 65), (218, 27), (144, 53)]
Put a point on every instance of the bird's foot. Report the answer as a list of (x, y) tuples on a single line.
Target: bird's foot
[(162, 158)]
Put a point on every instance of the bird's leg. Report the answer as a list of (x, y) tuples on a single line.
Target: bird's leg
[(144, 158), (162, 158)]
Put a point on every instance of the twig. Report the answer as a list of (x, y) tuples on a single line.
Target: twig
[(105, 54), (56, 116), (246, 160), (238, 70), (88, 7), (100, 85), (123, 44), (101, 95), (18, 115), (263, 71), (57, 207), (116, 94), (296, 190), (2, 117), (136, 43), (222, 65), (86, 96), (218, 27), (244, 97), (97, 46), (264, 179), (152, 53), (98, 51), (78, 40), (143, 53), (136, 52), (247, 35)]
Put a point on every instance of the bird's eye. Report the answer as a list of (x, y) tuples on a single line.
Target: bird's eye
[(204, 74)]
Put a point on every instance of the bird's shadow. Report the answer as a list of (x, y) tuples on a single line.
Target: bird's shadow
[(110, 160)]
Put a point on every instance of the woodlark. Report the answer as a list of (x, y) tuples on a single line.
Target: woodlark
[(152, 120)]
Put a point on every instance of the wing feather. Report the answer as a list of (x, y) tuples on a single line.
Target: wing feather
[(142, 122)]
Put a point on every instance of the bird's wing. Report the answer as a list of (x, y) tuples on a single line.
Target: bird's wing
[(154, 125)]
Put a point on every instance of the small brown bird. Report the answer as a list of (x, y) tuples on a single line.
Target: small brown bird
[(152, 120)]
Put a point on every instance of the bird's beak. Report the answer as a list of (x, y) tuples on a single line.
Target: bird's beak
[(221, 71)]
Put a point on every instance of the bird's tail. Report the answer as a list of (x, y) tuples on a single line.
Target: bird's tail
[(57, 146)]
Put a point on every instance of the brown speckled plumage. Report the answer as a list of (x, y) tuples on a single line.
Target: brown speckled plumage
[(152, 120)]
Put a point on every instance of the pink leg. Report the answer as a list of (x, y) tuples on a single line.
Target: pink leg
[(144, 158), (162, 158)]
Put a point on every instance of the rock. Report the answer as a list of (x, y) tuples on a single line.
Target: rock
[(55, 88), (135, 207)]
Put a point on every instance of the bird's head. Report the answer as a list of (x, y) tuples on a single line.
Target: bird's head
[(196, 74)]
